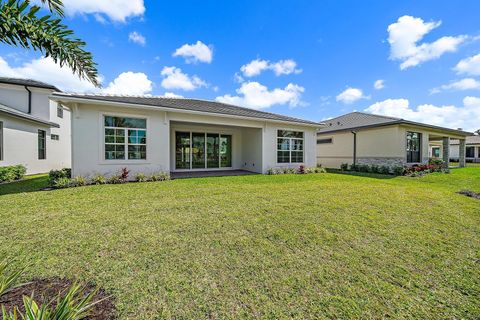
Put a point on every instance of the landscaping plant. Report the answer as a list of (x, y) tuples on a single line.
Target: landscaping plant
[(8, 279), (12, 173)]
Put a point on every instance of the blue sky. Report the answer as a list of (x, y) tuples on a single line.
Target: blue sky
[(312, 59)]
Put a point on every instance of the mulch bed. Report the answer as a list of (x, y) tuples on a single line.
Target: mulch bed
[(46, 291), (470, 194)]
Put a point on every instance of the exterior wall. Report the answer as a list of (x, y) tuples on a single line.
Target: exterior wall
[(374, 146), (20, 146), (436, 144), (455, 154), (253, 142), (21, 136)]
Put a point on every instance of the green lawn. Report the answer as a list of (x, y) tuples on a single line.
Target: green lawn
[(291, 246)]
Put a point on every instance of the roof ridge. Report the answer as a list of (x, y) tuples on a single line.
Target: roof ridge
[(378, 115)]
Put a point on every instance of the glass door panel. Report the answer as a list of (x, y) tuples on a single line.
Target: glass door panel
[(225, 151), (198, 150), (212, 150), (182, 150)]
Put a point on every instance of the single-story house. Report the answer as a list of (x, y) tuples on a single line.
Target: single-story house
[(148, 134), (34, 131), (363, 138), (472, 149)]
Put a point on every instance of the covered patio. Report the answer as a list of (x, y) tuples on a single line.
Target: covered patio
[(439, 148)]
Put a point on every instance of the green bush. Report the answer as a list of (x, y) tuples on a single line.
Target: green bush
[(55, 175), (114, 180), (98, 179), (78, 181), (384, 170), (344, 167), (398, 170), (12, 173), (62, 183), (141, 177)]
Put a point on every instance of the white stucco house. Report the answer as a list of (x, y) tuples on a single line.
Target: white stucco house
[(472, 149), (363, 138), (34, 131), (149, 134)]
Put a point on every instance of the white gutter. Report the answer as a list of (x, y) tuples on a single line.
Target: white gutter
[(64, 98)]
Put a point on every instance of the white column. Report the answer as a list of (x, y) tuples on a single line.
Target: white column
[(461, 153)]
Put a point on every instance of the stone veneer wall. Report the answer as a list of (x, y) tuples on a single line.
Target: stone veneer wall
[(391, 162)]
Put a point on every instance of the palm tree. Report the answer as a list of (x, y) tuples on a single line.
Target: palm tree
[(20, 25)]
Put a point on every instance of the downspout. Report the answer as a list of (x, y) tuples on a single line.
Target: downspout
[(354, 147), (29, 100)]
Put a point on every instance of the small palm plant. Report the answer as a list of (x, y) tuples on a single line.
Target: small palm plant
[(9, 280)]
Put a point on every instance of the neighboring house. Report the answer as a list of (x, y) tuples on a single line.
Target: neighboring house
[(364, 138), (34, 131), (472, 149), (148, 134)]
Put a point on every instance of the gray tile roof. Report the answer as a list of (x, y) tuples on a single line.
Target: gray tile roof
[(28, 83), (188, 104), (19, 114), (357, 120)]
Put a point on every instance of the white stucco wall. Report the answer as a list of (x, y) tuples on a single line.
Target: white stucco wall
[(253, 142), (20, 137)]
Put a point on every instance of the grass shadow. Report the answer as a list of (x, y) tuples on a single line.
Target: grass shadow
[(362, 174), (31, 183)]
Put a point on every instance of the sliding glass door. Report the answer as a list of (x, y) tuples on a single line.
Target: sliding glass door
[(200, 150)]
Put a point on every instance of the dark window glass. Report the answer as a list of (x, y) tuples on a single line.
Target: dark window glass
[(198, 150), (59, 112), (225, 151), (436, 152), (55, 137), (470, 152), (290, 134), (213, 151), (289, 146), (182, 150), (121, 122), (42, 146), (413, 147), (283, 156), (326, 140)]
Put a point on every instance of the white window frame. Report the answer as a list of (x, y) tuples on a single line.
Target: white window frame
[(103, 159), (290, 147)]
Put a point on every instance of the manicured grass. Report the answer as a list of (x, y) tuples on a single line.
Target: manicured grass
[(291, 246)]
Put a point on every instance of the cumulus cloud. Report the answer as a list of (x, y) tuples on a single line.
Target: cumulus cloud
[(46, 70), (194, 53), (379, 84), (450, 116), (257, 96), (405, 34), (174, 78), (351, 95), (458, 85), (137, 38), (172, 95), (129, 83), (281, 67), (470, 66), (116, 10)]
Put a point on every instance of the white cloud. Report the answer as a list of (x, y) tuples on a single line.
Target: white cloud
[(254, 67), (459, 85), (116, 10), (172, 95), (379, 84), (281, 67), (257, 96), (174, 78), (193, 53), (469, 66), (129, 83), (137, 38), (351, 95), (46, 70), (450, 116), (408, 31)]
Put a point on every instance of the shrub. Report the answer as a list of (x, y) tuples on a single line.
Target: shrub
[(141, 177), (344, 167), (436, 162), (160, 176), (124, 174), (354, 167), (114, 179), (61, 183), (12, 173), (363, 168), (320, 170), (271, 171), (384, 170), (9, 279), (98, 179), (78, 181), (398, 170), (301, 169), (54, 175)]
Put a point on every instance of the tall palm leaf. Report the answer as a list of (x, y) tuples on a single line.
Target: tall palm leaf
[(21, 26)]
